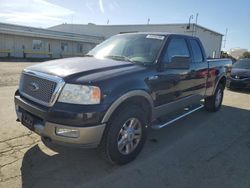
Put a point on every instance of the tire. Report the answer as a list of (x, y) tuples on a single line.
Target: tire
[(120, 129), (213, 103)]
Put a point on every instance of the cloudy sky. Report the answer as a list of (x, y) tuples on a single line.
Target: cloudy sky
[(213, 14)]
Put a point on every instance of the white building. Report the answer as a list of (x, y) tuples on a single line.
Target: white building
[(29, 42), (211, 40), (76, 40)]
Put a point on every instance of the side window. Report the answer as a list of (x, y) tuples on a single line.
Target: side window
[(197, 54), (176, 47)]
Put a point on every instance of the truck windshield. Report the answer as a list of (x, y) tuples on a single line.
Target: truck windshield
[(242, 64), (135, 48)]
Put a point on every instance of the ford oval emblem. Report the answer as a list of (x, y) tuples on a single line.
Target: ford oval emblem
[(33, 86)]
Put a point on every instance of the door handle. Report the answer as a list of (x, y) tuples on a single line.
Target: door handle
[(155, 77)]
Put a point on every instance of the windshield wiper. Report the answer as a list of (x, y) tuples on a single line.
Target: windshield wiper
[(117, 57)]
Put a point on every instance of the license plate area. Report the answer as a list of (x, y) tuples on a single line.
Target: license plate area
[(28, 120)]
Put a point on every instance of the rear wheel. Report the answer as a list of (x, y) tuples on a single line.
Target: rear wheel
[(125, 135), (213, 103)]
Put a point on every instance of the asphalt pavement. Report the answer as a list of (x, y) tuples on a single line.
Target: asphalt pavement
[(203, 150)]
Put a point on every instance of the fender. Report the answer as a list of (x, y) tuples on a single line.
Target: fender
[(217, 80), (115, 105)]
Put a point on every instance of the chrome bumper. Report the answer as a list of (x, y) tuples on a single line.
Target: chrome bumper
[(89, 137)]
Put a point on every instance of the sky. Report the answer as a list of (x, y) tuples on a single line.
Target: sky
[(217, 15)]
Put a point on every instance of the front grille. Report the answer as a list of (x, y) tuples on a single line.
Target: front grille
[(39, 89)]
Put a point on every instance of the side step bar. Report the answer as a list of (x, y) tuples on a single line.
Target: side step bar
[(159, 126)]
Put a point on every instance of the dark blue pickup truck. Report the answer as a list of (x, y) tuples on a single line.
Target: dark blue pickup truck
[(125, 85)]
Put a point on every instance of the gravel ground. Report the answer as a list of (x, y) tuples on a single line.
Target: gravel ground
[(202, 150), (10, 71)]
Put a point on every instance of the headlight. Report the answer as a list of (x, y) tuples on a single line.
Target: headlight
[(80, 94)]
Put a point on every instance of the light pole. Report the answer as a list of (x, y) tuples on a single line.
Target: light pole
[(196, 21), (190, 17)]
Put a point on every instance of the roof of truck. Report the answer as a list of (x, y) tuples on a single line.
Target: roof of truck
[(158, 33)]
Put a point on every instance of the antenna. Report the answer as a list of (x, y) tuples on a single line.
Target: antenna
[(225, 38)]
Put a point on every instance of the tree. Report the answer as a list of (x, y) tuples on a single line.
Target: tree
[(246, 55)]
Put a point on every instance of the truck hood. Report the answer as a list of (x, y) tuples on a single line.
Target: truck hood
[(82, 66)]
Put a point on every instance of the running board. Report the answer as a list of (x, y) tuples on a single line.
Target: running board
[(159, 126)]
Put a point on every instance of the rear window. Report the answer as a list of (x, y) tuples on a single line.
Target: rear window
[(242, 64)]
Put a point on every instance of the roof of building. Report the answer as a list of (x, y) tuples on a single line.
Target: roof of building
[(138, 25), (47, 33)]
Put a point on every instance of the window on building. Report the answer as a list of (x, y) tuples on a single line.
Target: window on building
[(64, 46), (49, 47), (37, 44), (176, 47), (80, 48), (197, 54), (214, 54)]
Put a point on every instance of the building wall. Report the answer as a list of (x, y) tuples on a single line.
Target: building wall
[(211, 40), (17, 46), (17, 40)]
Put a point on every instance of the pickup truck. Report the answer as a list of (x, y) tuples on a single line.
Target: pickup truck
[(125, 85)]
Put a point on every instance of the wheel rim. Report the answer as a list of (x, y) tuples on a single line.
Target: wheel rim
[(218, 98), (129, 136)]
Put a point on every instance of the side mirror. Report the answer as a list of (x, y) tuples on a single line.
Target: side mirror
[(179, 62)]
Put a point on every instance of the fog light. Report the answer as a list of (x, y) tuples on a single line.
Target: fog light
[(72, 133)]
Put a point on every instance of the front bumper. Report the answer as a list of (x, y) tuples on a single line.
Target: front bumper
[(238, 83), (89, 136)]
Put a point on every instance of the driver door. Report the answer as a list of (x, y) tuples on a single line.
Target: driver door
[(173, 86)]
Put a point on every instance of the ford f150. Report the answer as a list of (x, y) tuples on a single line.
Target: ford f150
[(123, 86)]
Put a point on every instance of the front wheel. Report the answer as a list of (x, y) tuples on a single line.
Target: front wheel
[(213, 103), (125, 135)]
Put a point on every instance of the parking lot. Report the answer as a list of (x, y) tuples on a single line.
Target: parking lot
[(202, 150)]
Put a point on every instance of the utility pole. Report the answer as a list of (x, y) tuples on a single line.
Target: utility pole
[(196, 18), (225, 39), (148, 21)]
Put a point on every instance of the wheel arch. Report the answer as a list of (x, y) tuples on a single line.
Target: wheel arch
[(137, 97), (221, 80)]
